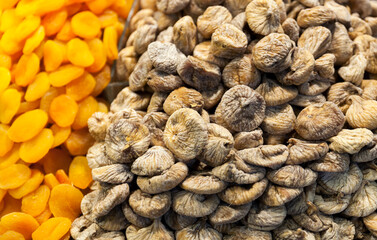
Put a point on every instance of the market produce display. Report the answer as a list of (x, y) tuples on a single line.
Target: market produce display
[(55, 60), (242, 120)]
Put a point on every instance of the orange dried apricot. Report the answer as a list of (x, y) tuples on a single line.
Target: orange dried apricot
[(36, 148), (63, 110), (5, 61), (53, 55), (20, 222), (9, 19), (26, 7), (11, 157), (46, 6), (98, 6), (110, 41), (35, 203), (29, 186), (27, 125), (14, 176), (78, 53), (54, 21), (108, 18), (34, 40), (27, 106), (8, 42), (86, 25), (10, 101), (80, 173), (60, 134), (66, 33), (44, 216), (81, 87), (54, 228), (65, 74), (87, 107), (56, 159), (62, 177), (10, 205), (79, 142), (26, 69), (65, 201), (27, 27), (5, 142), (122, 7), (51, 181), (103, 78), (99, 54), (38, 88), (11, 235), (73, 6), (48, 97), (5, 79)]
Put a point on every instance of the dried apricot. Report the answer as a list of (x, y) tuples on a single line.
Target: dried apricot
[(78, 53), (10, 101), (48, 97), (27, 27), (11, 157), (110, 41), (11, 235), (26, 69), (98, 6), (44, 216), (62, 177), (63, 110), (53, 55), (65, 201), (8, 42), (65, 74), (28, 106), (98, 52), (79, 142), (66, 33), (35, 203), (102, 79), (36, 148), (86, 25), (81, 87), (34, 40), (56, 159), (5, 61), (46, 6), (108, 18), (5, 78), (20, 222), (79, 172), (9, 19), (54, 228), (51, 181), (38, 88), (54, 21), (87, 107), (11, 205), (14, 176), (5, 142), (26, 7), (27, 125), (60, 134), (29, 186)]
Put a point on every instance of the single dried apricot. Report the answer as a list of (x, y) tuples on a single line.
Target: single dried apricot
[(51, 181), (81, 87), (54, 21), (9, 19), (28, 106), (29, 186), (108, 18), (10, 101), (60, 134), (73, 6), (86, 25), (11, 157), (11, 235), (98, 51), (78, 53), (27, 27), (98, 6), (122, 7), (48, 97), (66, 33), (5, 79), (87, 107), (26, 8), (20, 222), (80, 173), (46, 6), (65, 201), (65, 74), (63, 110), (56, 159), (38, 88), (54, 228), (14, 176), (5, 142), (110, 41), (44, 216), (53, 55), (36, 202), (27, 125), (10, 205), (26, 69), (62, 177), (8, 42), (36, 148), (79, 142), (34, 40), (5, 61), (103, 78)]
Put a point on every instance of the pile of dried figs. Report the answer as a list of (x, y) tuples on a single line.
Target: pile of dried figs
[(243, 119)]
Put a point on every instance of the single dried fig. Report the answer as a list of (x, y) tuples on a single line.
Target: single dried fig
[(279, 119), (184, 34), (361, 113), (212, 18), (263, 16), (251, 139), (331, 162), (315, 16), (194, 205), (262, 217), (339, 93), (351, 140), (301, 151), (317, 40), (271, 156), (177, 222), (155, 231), (293, 176), (129, 99), (150, 206), (276, 195), (197, 231)]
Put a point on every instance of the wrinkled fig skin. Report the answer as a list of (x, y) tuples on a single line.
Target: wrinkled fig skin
[(240, 120)]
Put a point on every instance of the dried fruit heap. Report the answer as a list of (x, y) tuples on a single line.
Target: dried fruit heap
[(55, 58), (242, 120)]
